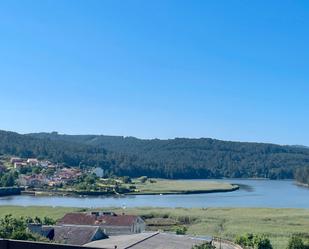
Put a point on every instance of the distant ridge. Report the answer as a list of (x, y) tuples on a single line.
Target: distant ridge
[(170, 158), (300, 146)]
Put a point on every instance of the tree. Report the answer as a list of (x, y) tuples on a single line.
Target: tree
[(17, 228), (25, 170), (8, 180), (37, 220), (155, 158), (36, 170), (10, 226), (48, 221)]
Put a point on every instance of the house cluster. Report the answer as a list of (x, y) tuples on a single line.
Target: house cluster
[(19, 163), (33, 181), (83, 228), (61, 175)]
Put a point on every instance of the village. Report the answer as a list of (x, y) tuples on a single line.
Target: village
[(91, 228), (45, 177)]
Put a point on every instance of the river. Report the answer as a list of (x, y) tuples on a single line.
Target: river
[(252, 193)]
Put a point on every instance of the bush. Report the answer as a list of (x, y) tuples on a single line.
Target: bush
[(296, 243), (254, 241), (48, 221), (181, 230), (204, 246), (245, 240), (262, 242)]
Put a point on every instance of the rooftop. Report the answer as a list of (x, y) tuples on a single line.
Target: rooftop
[(153, 240), (76, 235), (97, 218)]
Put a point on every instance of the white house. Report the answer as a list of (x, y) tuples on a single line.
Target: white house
[(99, 172), (33, 162)]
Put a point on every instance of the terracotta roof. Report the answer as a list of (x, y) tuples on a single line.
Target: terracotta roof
[(92, 219), (78, 219), (121, 220)]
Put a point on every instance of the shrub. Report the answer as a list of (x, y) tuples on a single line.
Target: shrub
[(181, 230), (254, 241), (204, 246), (296, 243)]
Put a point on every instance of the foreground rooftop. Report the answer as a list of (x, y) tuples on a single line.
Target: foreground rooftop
[(153, 240)]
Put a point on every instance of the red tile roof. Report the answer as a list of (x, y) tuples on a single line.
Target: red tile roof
[(78, 219), (92, 219), (121, 220)]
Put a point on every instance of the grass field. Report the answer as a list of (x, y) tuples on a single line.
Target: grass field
[(161, 186), (278, 224)]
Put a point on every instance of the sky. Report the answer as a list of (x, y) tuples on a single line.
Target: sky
[(231, 70)]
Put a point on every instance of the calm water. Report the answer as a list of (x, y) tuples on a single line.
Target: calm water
[(252, 193)]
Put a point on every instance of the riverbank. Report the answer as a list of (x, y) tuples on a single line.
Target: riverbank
[(150, 187), (278, 224), (302, 184)]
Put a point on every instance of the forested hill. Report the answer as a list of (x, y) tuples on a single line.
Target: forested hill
[(173, 158), (192, 158)]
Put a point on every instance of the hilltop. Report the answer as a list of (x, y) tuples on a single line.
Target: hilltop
[(171, 158)]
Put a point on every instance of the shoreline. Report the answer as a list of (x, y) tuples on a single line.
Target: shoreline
[(235, 187), (301, 184), (188, 192)]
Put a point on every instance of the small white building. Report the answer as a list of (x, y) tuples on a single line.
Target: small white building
[(99, 172), (45, 164), (33, 162), (19, 165)]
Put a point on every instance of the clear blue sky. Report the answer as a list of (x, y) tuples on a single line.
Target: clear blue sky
[(232, 70)]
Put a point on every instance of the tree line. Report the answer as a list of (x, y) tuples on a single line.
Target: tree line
[(172, 158)]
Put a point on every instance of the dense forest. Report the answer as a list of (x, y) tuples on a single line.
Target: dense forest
[(172, 158)]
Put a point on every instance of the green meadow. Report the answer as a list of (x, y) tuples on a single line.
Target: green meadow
[(163, 186)]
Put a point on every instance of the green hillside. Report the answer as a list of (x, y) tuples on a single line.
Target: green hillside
[(172, 158)]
